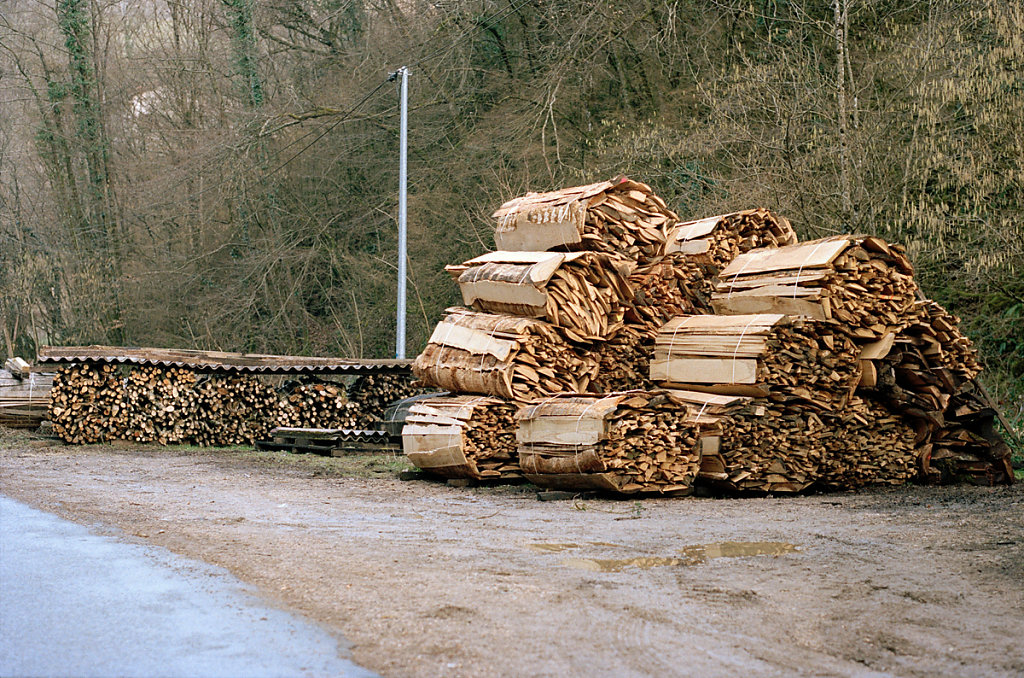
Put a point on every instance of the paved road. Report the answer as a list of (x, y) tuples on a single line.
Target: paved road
[(73, 603)]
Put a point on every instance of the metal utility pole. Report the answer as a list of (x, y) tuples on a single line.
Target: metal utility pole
[(403, 143)]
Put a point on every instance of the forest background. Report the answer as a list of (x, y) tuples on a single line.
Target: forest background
[(222, 174)]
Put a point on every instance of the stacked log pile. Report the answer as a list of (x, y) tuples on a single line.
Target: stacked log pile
[(867, 444), (584, 294), (623, 363), (236, 409), (172, 405), (802, 363), (86, 404), (721, 239), (370, 395), (318, 405), (463, 437), (928, 374), (626, 442), (764, 445), (159, 405), (619, 217), (670, 286), (829, 369), (503, 356), (863, 283)]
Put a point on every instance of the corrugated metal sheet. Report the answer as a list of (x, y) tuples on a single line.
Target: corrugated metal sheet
[(215, 361)]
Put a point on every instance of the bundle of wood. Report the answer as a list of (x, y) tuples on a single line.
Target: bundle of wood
[(763, 446), (864, 283), (968, 447), (624, 363), (462, 437), (86, 404), (804, 363), (669, 286), (372, 393), (624, 442), (24, 395), (619, 217), (867, 444), (940, 341), (582, 293), (915, 375), (318, 405), (500, 355), (721, 239), (235, 409), (159, 404)]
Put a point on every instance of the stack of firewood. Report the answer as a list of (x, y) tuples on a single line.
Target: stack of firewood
[(620, 217), (801, 362), (624, 363), (584, 294), (86, 404), (235, 409), (503, 356), (863, 283), (318, 405), (927, 373), (463, 437), (673, 285), (721, 239), (866, 444), (764, 446), (370, 395), (158, 404), (818, 361), (630, 442)]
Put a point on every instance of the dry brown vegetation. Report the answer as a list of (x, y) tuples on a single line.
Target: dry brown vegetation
[(223, 173)]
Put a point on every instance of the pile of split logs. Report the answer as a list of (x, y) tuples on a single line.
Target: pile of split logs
[(92, 403), (463, 437), (641, 354)]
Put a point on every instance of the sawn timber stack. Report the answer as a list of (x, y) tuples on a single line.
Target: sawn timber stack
[(800, 362), (721, 239), (622, 442), (620, 217), (501, 355), (863, 283), (463, 437), (584, 294)]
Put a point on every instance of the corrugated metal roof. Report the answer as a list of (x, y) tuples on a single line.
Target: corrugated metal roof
[(215, 361)]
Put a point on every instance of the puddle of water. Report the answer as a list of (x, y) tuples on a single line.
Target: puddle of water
[(701, 553), (546, 547), (619, 564), (551, 548), (690, 555)]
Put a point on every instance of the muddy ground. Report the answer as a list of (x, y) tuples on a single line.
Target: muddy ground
[(428, 580)]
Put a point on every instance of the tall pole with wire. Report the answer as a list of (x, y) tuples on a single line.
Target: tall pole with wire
[(403, 142)]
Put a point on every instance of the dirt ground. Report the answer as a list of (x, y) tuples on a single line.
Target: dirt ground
[(427, 580)]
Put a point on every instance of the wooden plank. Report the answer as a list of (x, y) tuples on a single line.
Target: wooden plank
[(807, 255), (704, 370), (576, 481), (471, 340), (523, 234), (723, 304), (526, 295), (562, 430)]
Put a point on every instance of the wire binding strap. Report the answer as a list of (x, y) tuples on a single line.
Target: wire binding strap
[(736, 350)]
